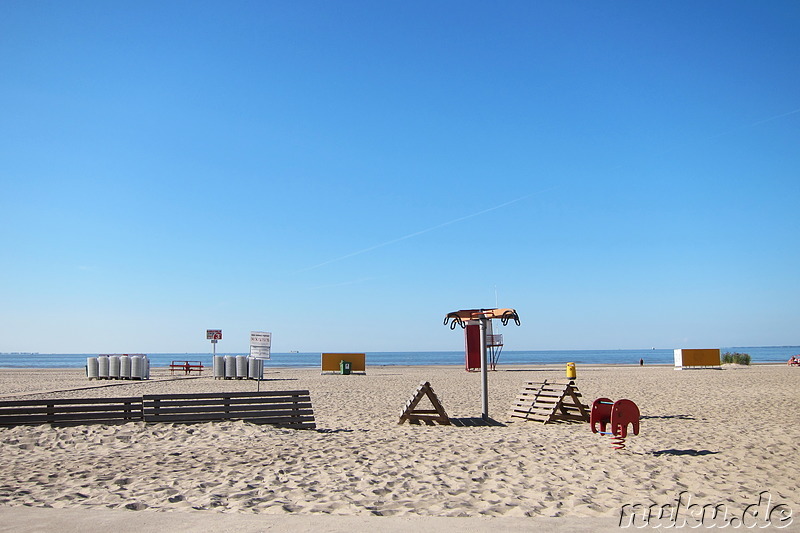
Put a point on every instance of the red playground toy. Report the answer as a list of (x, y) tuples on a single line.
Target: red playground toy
[(619, 414)]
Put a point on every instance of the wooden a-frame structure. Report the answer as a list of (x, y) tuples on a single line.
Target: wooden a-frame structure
[(429, 416), (550, 401)]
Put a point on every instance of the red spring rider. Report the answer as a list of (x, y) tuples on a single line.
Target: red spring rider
[(618, 414)]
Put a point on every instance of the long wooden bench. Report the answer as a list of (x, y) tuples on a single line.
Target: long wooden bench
[(187, 367), (280, 408), (70, 411)]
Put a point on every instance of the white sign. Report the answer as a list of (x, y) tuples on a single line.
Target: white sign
[(214, 334), (260, 338), (260, 344)]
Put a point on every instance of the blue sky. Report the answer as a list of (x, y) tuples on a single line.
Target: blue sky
[(342, 174)]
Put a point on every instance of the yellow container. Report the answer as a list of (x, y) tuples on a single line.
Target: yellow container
[(571, 373)]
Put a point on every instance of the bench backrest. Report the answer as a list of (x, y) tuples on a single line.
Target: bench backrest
[(70, 411), (281, 408)]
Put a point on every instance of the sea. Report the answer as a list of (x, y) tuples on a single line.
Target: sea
[(761, 354)]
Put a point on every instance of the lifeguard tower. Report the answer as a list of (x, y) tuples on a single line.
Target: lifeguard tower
[(472, 346), (479, 341)]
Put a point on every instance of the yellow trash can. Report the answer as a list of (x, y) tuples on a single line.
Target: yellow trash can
[(571, 373)]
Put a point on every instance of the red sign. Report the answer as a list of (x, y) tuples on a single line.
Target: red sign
[(214, 334)]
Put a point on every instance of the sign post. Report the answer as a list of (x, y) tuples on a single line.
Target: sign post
[(214, 335)]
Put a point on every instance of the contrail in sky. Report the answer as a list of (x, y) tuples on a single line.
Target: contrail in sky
[(505, 204), (773, 118), (715, 136), (754, 124), (421, 232), (342, 284)]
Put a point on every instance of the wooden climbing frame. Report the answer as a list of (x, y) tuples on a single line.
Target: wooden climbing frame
[(550, 401), (429, 416)]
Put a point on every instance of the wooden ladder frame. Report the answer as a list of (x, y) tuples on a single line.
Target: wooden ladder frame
[(429, 416), (550, 401)]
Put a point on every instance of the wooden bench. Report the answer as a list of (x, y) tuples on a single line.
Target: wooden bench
[(186, 366), (70, 411), (280, 408)]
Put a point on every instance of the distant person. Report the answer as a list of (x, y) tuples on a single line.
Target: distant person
[(641, 362)]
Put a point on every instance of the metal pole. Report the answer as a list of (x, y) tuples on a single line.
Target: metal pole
[(484, 371)]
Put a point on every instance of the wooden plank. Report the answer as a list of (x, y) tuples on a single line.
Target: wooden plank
[(108, 422), (263, 418), (150, 414), (242, 410), (221, 403), (553, 392), (62, 417), (528, 412), (38, 421), (539, 399), (112, 410), (529, 406), (303, 414), (532, 412), (535, 407), (535, 418), (542, 412), (213, 395), (239, 414), (276, 407), (74, 410), (67, 401), (545, 394), (10, 411), (297, 417)]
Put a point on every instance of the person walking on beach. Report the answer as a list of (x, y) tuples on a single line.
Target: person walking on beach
[(641, 362)]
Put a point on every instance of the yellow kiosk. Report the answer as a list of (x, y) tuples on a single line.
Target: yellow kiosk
[(331, 362)]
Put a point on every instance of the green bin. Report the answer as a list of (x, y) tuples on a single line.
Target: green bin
[(344, 366)]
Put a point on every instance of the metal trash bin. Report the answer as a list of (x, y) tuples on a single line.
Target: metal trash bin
[(345, 366)]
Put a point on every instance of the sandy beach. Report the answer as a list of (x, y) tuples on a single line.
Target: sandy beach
[(708, 437)]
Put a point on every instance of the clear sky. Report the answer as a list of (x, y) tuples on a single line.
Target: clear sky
[(343, 174)]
